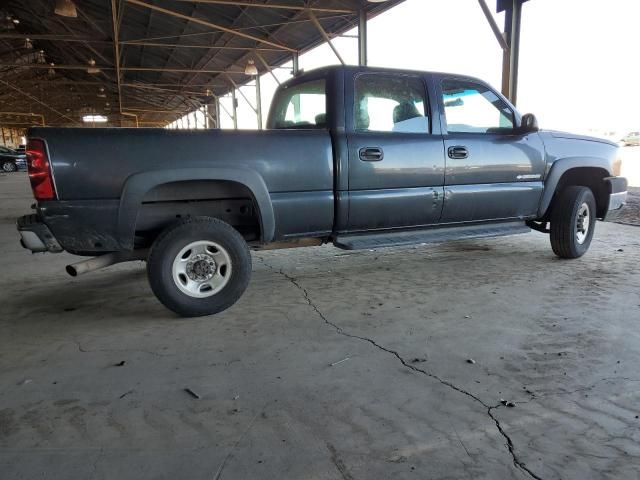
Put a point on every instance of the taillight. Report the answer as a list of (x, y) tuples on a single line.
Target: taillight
[(39, 170)]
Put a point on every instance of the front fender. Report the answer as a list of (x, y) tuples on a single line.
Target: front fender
[(559, 168), (137, 185)]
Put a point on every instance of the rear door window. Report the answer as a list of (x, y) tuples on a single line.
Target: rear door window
[(390, 103)]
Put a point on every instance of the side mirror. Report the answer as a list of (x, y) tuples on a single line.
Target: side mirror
[(529, 123)]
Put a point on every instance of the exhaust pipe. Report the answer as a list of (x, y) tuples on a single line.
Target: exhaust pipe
[(105, 260)]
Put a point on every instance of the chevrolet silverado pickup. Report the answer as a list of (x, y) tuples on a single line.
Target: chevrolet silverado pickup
[(355, 156)]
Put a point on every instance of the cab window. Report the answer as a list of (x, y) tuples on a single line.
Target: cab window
[(474, 108), (390, 103), (301, 106)]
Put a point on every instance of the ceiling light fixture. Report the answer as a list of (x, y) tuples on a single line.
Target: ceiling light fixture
[(66, 8), (251, 68), (92, 67), (94, 119)]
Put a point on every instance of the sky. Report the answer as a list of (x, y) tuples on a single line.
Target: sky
[(579, 59)]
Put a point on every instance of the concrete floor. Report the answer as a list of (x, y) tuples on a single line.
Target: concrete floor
[(560, 339)]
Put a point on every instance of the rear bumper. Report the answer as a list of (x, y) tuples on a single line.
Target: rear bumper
[(617, 197), (36, 236)]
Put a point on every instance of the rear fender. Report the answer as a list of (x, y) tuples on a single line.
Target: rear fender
[(137, 185)]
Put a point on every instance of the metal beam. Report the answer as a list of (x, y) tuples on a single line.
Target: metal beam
[(235, 3), (237, 87), (50, 37), (176, 70), (324, 34), (494, 26), (48, 66), (266, 65), (116, 53), (207, 47), (36, 100), (22, 114), (209, 24)]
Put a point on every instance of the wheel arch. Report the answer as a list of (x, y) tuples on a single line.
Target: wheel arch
[(584, 171), (138, 187)]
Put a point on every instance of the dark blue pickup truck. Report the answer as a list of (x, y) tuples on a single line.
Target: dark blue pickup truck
[(359, 157)]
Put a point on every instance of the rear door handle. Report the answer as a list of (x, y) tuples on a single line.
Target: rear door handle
[(371, 154), (458, 152)]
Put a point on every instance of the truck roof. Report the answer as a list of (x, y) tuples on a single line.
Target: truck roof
[(358, 69)]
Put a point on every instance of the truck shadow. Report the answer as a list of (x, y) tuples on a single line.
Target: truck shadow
[(106, 296)]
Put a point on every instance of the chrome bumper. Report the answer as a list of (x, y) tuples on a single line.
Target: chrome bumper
[(617, 197), (36, 236)]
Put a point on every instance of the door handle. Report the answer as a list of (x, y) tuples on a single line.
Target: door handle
[(458, 152), (371, 154)]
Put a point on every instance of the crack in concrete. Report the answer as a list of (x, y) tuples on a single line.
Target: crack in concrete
[(516, 460)]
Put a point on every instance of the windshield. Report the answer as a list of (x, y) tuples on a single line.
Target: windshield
[(301, 106)]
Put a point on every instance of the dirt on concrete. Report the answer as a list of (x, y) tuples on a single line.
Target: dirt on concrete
[(277, 399)]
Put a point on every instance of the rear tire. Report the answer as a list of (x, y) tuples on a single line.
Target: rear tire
[(573, 219), (9, 166), (199, 266)]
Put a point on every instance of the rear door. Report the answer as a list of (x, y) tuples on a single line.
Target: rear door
[(492, 171), (396, 157)]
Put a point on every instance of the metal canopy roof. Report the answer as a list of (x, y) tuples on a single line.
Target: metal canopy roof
[(170, 52)]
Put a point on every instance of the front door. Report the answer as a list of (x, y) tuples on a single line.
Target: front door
[(492, 172), (396, 162)]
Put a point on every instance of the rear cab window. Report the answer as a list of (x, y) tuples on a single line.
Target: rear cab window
[(300, 106), (391, 103)]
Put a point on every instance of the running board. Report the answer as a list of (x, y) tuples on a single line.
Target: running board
[(432, 235)]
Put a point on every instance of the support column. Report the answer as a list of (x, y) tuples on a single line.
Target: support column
[(514, 62), (506, 54), (258, 102), (234, 106), (362, 38), (296, 63)]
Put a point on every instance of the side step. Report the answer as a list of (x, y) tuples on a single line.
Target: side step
[(431, 235)]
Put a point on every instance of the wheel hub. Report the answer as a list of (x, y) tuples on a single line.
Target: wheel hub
[(201, 267), (582, 223)]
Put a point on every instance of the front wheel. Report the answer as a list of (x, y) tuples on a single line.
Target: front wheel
[(199, 266), (573, 221)]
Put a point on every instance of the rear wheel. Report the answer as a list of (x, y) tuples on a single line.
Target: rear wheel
[(573, 219), (199, 266), (8, 166)]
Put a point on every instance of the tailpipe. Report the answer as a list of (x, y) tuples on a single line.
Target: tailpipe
[(105, 260)]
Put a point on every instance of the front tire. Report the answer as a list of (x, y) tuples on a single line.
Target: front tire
[(199, 266), (573, 221)]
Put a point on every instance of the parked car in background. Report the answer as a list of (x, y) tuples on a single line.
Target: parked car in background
[(12, 161), (21, 149), (632, 138)]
